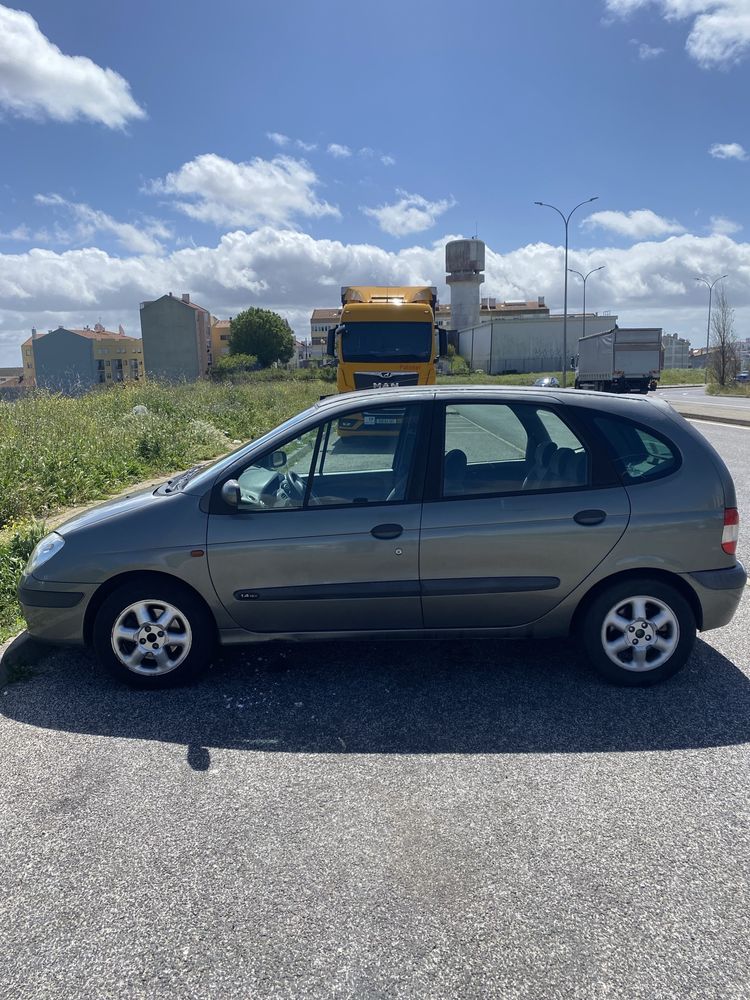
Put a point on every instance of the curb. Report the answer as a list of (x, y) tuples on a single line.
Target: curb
[(20, 651)]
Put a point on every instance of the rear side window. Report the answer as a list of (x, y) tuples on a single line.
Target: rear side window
[(639, 454)]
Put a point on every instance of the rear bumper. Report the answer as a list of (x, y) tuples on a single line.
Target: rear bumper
[(54, 612), (719, 592)]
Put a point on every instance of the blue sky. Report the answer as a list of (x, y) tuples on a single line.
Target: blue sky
[(264, 154)]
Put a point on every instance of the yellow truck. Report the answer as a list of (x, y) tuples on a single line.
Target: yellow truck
[(386, 337)]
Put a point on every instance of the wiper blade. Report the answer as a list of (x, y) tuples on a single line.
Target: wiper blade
[(172, 485)]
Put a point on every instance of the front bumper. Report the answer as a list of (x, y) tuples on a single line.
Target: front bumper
[(54, 612), (719, 592)]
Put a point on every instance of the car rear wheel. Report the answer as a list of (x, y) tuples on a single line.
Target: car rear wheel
[(639, 632), (153, 634)]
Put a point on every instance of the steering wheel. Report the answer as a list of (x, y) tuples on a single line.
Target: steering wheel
[(294, 485)]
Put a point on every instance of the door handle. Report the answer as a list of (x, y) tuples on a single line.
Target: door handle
[(589, 516), (386, 530)]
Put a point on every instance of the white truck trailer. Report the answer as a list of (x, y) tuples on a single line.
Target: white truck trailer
[(620, 360)]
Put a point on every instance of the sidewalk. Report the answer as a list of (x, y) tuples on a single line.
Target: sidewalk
[(738, 415)]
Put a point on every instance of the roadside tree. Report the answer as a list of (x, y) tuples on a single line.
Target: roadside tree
[(263, 334), (724, 352)]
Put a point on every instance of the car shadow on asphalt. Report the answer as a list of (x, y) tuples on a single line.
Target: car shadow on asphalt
[(479, 696)]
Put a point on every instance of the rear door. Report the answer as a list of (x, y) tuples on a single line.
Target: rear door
[(526, 524)]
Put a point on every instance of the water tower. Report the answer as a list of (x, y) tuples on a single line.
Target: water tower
[(464, 262)]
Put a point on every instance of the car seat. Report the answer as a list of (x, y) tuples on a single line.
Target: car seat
[(454, 472), (542, 458)]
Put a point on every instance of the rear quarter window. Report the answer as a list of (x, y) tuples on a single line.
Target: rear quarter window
[(639, 454)]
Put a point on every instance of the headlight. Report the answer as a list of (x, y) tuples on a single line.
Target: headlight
[(49, 546)]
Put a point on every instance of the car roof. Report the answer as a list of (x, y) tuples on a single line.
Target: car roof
[(638, 407)]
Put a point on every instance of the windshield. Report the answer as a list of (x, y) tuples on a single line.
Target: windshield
[(376, 342)]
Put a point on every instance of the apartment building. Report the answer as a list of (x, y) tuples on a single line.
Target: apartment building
[(72, 360), (676, 351), (176, 336), (220, 332), (320, 323)]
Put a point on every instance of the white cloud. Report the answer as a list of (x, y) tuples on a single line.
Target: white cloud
[(217, 190), (38, 81), (307, 146), (728, 151), (720, 32), (339, 151), (387, 160), (646, 51), (723, 226), (410, 214), (644, 284), (141, 239), (278, 138), (21, 233), (639, 224)]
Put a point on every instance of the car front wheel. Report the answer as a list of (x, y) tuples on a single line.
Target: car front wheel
[(639, 632), (153, 634)]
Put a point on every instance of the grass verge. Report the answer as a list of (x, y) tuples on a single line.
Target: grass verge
[(58, 451), (16, 545), (742, 390)]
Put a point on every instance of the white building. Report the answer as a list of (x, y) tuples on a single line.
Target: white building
[(321, 322)]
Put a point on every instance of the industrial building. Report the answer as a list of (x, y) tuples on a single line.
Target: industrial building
[(176, 337), (71, 361)]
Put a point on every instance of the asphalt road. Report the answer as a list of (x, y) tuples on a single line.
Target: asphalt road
[(698, 395), (456, 820)]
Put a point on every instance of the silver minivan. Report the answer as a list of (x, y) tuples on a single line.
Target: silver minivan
[(406, 513)]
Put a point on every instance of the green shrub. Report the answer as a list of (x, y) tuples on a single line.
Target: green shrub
[(16, 546), (233, 367)]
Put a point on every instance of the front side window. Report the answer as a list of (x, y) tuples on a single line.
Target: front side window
[(495, 448), (333, 465), (376, 342)]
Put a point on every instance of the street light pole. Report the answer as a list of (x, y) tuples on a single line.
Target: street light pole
[(566, 220), (585, 276), (708, 324)]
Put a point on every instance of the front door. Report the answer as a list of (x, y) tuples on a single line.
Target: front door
[(326, 534), (518, 521)]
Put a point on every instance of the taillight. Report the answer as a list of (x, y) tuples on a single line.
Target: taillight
[(731, 531)]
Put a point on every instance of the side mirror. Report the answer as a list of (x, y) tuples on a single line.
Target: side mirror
[(277, 459), (230, 493), (443, 343), (331, 342)]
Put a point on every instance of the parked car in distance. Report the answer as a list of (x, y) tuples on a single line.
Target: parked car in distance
[(742, 377), (487, 512), (548, 382)]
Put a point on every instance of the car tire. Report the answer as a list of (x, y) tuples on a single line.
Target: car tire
[(634, 616), (133, 628)]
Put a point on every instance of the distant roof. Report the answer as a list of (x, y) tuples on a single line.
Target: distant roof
[(177, 298), (320, 314), (516, 306), (96, 334), (222, 324)]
